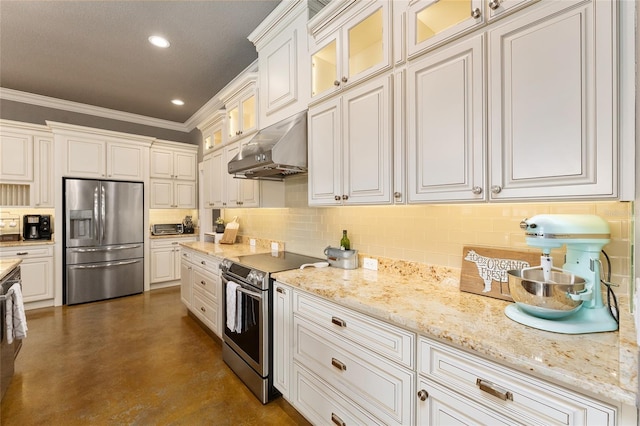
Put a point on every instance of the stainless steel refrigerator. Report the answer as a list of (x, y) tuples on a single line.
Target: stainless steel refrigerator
[(104, 239)]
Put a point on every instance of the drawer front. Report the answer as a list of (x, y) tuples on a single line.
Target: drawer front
[(170, 242), (207, 283), (209, 263), (205, 309), (378, 385), (509, 392), (392, 342), (321, 404), (443, 406), (26, 252)]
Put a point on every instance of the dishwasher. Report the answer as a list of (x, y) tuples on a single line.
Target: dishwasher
[(8, 352)]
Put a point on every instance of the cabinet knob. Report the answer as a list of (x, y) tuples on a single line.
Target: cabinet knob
[(476, 190), (496, 189), (203, 262), (344, 79), (336, 83), (203, 282), (337, 197), (345, 197), (475, 13), (397, 194), (203, 309), (494, 4), (423, 395)]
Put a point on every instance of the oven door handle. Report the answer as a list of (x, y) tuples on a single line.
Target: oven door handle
[(253, 294)]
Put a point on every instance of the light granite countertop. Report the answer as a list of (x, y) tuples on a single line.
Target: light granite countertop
[(27, 243), (175, 236), (229, 251), (431, 304), (7, 265)]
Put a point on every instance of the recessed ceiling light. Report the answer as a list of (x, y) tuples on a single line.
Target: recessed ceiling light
[(159, 41), (177, 102)]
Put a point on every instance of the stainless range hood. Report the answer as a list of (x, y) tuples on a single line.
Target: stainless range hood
[(274, 153)]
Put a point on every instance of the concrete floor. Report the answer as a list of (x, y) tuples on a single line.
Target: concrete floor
[(135, 360)]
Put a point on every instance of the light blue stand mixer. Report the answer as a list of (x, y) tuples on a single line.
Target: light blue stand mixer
[(568, 299)]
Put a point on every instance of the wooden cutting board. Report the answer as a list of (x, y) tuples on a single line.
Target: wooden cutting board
[(230, 232), (484, 269)]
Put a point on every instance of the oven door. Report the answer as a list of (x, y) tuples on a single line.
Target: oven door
[(251, 342)]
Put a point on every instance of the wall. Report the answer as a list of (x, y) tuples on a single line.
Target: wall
[(432, 234), (27, 113)]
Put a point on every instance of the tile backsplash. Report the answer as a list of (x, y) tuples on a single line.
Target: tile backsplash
[(171, 216), (430, 234)]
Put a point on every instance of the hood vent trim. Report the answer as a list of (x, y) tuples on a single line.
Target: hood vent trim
[(274, 153)]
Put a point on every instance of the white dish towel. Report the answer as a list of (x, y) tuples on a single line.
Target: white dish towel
[(232, 305), (15, 318)]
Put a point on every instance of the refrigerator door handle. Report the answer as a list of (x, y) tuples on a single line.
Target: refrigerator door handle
[(102, 212), (96, 214), (111, 248), (104, 265)]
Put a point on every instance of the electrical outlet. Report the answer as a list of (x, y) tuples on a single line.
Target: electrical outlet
[(370, 263), (274, 246), (252, 242)]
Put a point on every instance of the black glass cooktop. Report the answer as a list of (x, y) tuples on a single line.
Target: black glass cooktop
[(276, 261)]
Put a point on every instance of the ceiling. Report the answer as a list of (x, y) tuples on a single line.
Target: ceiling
[(97, 52)]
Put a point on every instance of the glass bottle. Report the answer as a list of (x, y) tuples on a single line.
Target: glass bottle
[(345, 244)]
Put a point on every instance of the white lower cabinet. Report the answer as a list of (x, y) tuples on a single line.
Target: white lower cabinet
[(36, 273), (335, 365), (201, 287), (165, 259), (452, 377), (338, 366)]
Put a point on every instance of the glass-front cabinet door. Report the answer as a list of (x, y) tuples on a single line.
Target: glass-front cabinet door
[(433, 22), (233, 123), (358, 48), (242, 116), (248, 108)]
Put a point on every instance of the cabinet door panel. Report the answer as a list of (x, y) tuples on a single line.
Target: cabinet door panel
[(185, 282), (37, 279), (124, 162), (367, 143), (324, 154), (185, 165), (231, 183), (543, 144), (162, 265), (86, 158), (161, 164), (161, 194), (44, 173), (16, 157), (446, 131), (184, 194), (281, 78), (218, 178)]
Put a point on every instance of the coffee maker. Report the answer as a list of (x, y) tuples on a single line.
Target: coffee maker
[(36, 227)]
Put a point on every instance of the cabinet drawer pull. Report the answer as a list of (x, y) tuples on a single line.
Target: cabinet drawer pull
[(203, 262), (203, 309), (337, 420), (22, 253), (493, 389), (423, 395), (338, 321), (338, 364), (281, 290), (203, 282)]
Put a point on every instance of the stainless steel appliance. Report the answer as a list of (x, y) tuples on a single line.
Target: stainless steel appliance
[(104, 239), (167, 229), (275, 152), (36, 227), (248, 348), (8, 351)]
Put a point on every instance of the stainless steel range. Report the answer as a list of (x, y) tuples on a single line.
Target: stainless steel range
[(248, 306)]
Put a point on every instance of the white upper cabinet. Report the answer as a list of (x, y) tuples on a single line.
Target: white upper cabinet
[(434, 22), (171, 160), (350, 147), (16, 155), (283, 70), (552, 100), (349, 44), (102, 154), (241, 103), (213, 131), (26, 165), (445, 160)]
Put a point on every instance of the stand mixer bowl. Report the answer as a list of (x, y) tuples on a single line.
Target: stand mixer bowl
[(545, 299)]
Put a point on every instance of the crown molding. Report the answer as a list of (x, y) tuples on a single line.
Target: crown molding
[(61, 104)]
